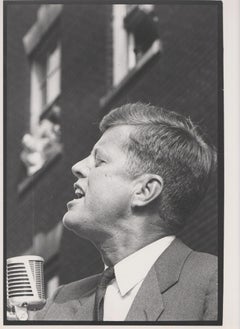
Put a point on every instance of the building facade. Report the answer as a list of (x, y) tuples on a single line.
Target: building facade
[(66, 65)]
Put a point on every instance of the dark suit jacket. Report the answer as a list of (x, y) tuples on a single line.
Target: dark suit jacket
[(181, 286)]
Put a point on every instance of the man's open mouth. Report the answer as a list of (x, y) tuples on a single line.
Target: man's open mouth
[(79, 193)]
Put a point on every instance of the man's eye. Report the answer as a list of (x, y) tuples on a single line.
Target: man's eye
[(99, 162)]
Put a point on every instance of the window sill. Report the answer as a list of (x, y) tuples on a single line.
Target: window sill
[(30, 180), (153, 51), (46, 112)]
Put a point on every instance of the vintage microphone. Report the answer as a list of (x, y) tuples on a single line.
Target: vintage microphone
[(25, 285)]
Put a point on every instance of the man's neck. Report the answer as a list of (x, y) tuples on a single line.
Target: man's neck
[(117, 248)]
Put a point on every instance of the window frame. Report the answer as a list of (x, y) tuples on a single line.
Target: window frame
[(126, 74), (42, 40)]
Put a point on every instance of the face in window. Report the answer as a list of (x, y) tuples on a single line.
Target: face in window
[(103, 188)]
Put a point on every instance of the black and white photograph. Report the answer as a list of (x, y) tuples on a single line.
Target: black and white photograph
[(113, 163)]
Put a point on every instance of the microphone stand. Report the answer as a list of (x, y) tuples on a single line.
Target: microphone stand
[(15, 312), (21, 312)]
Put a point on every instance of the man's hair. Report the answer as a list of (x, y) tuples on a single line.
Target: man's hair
[(167, 144)]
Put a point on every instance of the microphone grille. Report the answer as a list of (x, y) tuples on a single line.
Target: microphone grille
[(25, 281), (37, 272), (18, 283)]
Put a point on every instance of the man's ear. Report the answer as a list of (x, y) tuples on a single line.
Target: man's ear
[(148, 187)]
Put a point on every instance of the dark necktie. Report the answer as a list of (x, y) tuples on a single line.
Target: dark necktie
[(106, 277)]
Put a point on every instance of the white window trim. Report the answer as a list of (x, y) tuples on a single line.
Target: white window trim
[(46, 17), (35, 97), (120, 40)]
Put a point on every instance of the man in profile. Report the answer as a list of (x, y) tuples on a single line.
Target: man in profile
[(134, 192)]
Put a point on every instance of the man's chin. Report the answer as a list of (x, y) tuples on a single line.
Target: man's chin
[(68, 222), (72, 223)]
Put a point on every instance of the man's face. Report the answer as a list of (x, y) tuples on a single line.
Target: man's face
[(103, 188)]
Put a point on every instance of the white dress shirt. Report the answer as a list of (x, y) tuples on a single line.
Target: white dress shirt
[(129, 275)]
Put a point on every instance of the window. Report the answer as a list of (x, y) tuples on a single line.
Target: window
[(45, 79), (142, 32), (43, 141), (135, 35)]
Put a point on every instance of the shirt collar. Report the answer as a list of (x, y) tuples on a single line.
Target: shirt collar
[(134, 268)]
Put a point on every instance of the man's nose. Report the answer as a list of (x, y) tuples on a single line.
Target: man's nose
[(81, 168)]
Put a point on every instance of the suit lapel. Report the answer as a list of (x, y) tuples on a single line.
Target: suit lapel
[(86, 303), (148, 305), (85, 310)]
